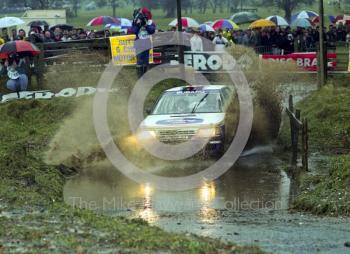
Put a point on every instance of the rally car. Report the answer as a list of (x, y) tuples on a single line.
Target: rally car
[(182, 113)]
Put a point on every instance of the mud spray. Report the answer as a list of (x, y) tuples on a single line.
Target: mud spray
[(75, 144)]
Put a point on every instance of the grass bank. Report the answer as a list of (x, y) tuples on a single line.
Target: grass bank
[(329, 121), (34, 218)]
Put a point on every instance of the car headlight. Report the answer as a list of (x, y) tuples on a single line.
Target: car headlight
[(210, 132), (146, 134)]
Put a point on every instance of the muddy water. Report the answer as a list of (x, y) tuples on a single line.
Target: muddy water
[(247, 205), (250, 184)]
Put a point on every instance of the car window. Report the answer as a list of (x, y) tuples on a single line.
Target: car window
[(189, 102)]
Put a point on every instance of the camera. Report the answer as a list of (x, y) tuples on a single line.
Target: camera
[(139, 18)]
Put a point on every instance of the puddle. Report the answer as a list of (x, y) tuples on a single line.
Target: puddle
[(255, 182)]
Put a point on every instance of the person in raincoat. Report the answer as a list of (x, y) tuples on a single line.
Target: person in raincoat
[(143, 27), (196, 42)]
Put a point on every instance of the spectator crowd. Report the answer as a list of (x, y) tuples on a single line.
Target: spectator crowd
[(277, 40), (267, 40)]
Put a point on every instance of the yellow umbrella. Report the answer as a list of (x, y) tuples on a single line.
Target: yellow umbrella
[(262, 23)]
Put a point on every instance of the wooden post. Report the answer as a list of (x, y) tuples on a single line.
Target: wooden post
[(296, 139), (305, 146), (291, 109), (179, 25), (322, 50)]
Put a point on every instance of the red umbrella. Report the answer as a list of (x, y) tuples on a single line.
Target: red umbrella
[(102, 21), (19, 47), (147, 13)]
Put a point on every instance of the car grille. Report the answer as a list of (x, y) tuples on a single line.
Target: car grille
[(175, 136)]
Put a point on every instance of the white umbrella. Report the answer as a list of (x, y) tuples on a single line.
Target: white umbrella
[(186, 23), (206, 28), (209, 23), (10, 21), (304, 15), (278, 20)]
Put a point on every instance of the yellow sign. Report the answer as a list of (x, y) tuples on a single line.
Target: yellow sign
[(123, 50)]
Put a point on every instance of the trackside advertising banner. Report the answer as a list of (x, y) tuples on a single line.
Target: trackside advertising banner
[(123, 50), (307, 61)]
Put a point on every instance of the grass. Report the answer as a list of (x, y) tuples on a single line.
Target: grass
[(329, 118), (328, 194), (126, 12), (329, 130), (32, 209)]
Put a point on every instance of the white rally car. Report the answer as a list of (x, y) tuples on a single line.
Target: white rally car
[(183, 112)]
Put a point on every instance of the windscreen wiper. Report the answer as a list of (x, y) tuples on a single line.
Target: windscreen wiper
[(199, 103)]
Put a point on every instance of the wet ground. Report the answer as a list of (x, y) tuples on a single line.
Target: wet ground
[(247, 205)]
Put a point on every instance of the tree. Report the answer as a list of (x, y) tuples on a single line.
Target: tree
[(76, 4), (169, 6), (114, 5), (151, 4), (101, 3), (288, 6)]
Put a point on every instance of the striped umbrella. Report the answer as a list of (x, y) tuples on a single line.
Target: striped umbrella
[(122, 24), (206, 28), (19, 47), (278, 20), (301, 23), (304, 15), (225, 24), (2, 55), (102, 21), (186, 23)]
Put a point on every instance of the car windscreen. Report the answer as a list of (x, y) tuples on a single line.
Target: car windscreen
[(189, 102)]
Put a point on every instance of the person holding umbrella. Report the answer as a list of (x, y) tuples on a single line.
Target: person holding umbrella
[(143, 27), (18, 81)]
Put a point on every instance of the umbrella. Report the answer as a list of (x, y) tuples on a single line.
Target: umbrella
[(38, 23), (102, 21), (262, 23), (124, 23), (209, 23), (62, 27), (2, 55), (19, 47), (206, 28), (316, 19), (301, 23), (186, 22), (244, 17), (10, 21), (278, 20), (225, 24), (304, 15)]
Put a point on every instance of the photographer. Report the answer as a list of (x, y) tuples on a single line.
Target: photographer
[(143, 27), (18, 81)]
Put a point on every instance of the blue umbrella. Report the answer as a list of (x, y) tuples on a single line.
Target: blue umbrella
[(278, 20), (206, 28), (304, 15), (305, 23)]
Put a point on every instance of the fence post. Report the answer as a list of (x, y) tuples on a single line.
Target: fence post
[(293, 133), (296, 139), (305, 145)]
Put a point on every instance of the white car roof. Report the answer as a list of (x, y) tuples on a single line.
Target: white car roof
[(181, 88)]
